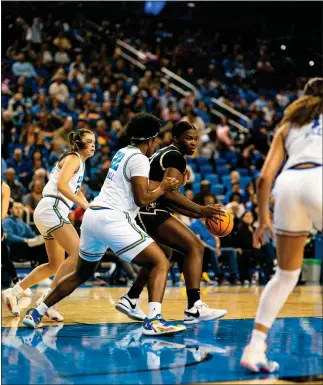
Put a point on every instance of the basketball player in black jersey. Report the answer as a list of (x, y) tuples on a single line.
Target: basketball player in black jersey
[(169, 232)]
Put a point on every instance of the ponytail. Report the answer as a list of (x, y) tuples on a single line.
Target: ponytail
[(303, 111), (76, 139)]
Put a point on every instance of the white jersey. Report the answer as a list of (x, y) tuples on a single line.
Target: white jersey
[(116, 192), (304, 144), (75, 183)]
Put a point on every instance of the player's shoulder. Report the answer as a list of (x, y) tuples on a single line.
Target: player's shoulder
[(172, 151)]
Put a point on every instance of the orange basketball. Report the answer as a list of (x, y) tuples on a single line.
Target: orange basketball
[(221, 226)]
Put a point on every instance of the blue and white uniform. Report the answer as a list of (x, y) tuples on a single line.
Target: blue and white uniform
[(52, 211), (298, 191), (109, 221)]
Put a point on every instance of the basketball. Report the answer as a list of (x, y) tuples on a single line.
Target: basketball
[(221, 226)]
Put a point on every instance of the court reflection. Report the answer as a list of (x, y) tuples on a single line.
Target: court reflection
[(119, 353)]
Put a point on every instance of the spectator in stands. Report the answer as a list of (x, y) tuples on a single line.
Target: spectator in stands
[(282, 98), (211, 250), (101, 156), (196, 121), (205, 190), (249, 257), (62, 42), (223, 135), (234, 177), (58, 89), (61, 57), (61, 135), (31, 199), (16, 188), (236, 199), (21, 166), (23, 68), (22, 241), (99, 177)]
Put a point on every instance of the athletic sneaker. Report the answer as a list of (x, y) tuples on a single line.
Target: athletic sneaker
[(52, 313), (255, 360), (11, 302), (130, 307), (158, 326), (32, 319), (27, 293), (201, 312)]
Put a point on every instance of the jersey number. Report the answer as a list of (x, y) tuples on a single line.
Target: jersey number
[(79, 182), (116, 160)]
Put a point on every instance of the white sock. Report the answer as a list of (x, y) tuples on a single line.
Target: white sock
[(275, 295), (258, 338), (17, 290), (48, 291), (154, 308), (42, 308)]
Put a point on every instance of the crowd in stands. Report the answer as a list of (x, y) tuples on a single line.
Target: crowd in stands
[(56, 79)]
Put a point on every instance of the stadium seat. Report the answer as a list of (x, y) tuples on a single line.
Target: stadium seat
[(206, 169), (220, 162), (201, 161), (217, 189), (212, 178), (244, 181), (222, 170), (13, 146), (229, 155), (198, 178), (226, 180), (243, 171), (193, 166), (196, 188)]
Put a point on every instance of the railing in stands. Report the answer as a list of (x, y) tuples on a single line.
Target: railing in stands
[(183, 87)]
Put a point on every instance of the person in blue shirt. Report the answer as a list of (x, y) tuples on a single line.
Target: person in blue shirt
[(22, 68), (21, 166), (23, 242), (212, 251)]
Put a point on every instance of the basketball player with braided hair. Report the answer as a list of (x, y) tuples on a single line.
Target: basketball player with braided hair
[(51, 218), (298, 206)]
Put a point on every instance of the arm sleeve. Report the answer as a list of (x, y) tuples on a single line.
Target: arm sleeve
[(138, 165), (11, 237), (174, 159)]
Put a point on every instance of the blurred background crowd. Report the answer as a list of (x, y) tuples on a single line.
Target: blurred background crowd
[(64, 67)]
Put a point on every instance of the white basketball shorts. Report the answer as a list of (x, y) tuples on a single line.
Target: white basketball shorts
[(50, 214), (298, 200), (104, 228)]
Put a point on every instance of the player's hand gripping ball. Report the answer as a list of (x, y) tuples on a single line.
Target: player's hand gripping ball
[(221, 226)]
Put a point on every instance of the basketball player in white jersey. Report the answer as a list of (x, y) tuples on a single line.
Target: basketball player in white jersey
[(298, 206), (51, 218), (110, 223)]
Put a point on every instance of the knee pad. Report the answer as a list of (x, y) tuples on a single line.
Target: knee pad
[(288, 277)]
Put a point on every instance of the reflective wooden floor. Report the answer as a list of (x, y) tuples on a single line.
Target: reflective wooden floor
[(97, 344)]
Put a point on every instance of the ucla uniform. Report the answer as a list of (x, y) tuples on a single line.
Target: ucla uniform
[(109, 221), (52, 211), (298, 191)]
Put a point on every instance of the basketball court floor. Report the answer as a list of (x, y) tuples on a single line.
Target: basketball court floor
[(98, 345)]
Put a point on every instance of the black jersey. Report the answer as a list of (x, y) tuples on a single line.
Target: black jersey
[(167, 157)]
